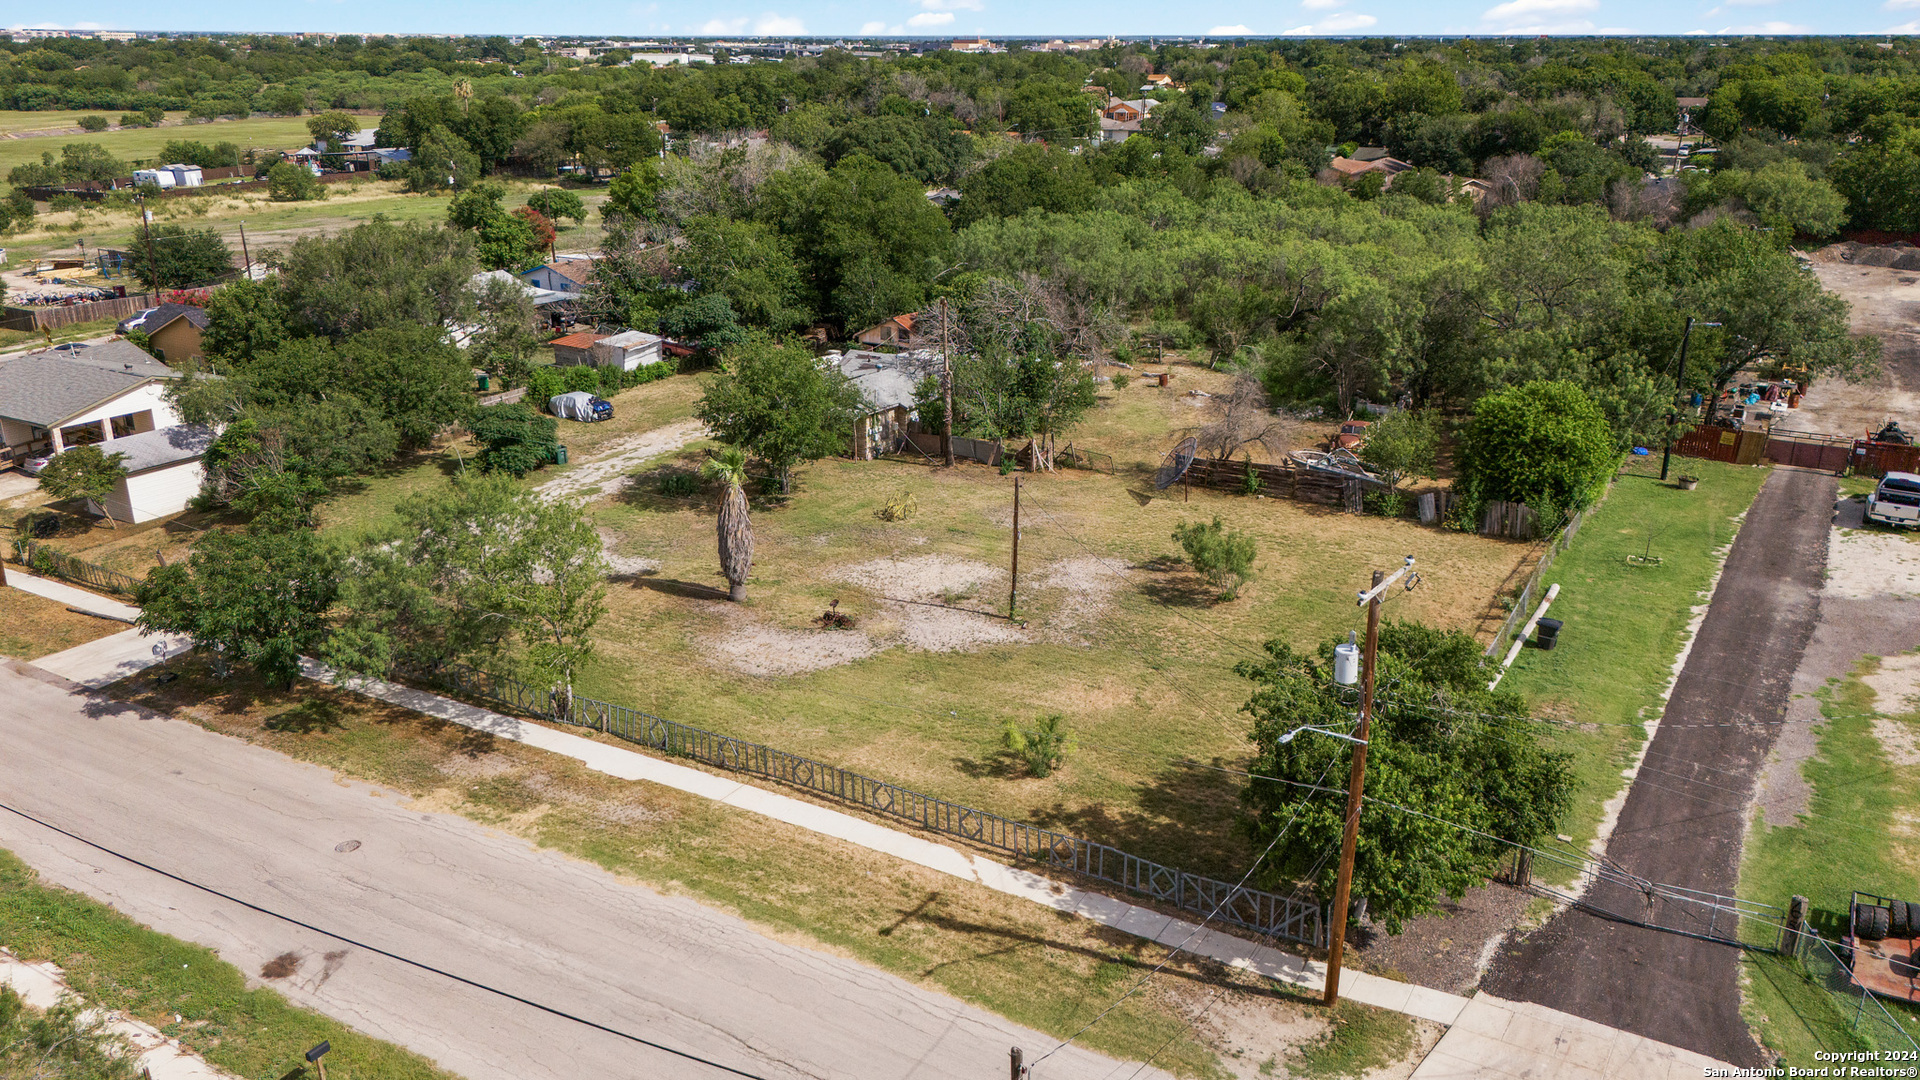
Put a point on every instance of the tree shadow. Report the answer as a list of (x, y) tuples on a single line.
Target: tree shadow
[(1000, 765), (319, 715), (674, 485), (1188, 816), (691, 590), (1176, 587)]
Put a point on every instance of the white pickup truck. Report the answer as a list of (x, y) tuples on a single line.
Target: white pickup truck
[(1896, 501)]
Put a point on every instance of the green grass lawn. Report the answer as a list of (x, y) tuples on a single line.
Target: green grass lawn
[(131, 144), (1858, 834), (1625, 623), (115, 963)]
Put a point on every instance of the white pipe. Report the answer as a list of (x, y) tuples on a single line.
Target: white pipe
[(1520, 639)]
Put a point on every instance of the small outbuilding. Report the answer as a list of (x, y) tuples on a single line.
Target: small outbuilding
[(164, 472), (172, 329)]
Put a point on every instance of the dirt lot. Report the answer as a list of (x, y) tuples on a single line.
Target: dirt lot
[(1886, 302)]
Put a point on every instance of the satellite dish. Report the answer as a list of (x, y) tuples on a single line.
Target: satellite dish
[(1178, 460)]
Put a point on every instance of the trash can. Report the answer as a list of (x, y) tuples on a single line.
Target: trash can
[(484, 382), (1547, 634), (560, 454), (1164, 376)]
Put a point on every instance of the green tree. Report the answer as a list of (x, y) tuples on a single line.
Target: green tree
[(1880, 177), (84, 472), (288, 182), (245, 319), (1224, 557), (504, 339), (332, 129), (635, 193), (83, 162), (484, 573), (557, 203), (778, 404), (1480, 764), (508, 242), (1403, 444), (735, 528), (260, 595), (751, 266), (515, 439), (1545, 444), (186, 257), (707, 321), (378, 274)]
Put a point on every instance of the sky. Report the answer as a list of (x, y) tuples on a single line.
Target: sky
[(1064, 18)]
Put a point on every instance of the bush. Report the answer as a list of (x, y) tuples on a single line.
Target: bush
[(93, 123), (1121, 379), (1545, 444), (287, 182), (1043, 747), (515, 439), (679, 485), (1224, 558), (62, 200), (135, 120)]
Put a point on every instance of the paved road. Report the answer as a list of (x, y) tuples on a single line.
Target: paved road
[(444, 891), (1686, 813)]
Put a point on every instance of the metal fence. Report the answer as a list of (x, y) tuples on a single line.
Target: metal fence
[(1605, 889), (1843, 1015), (1283, 917), (45, 560), (1523, 602)]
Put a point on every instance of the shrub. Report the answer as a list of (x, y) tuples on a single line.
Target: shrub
[(1043, 747), (679, 485), (516, 439), (62, 200), (1224, 558), (288, 182), (1545, 444), (93, 123), (1250, 484), (135, 120), (1121, 379)]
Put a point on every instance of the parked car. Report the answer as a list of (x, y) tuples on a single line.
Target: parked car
[(582, 406), (1896, 501), (32, 466)]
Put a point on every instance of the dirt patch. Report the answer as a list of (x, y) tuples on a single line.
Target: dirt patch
[(755, 649), (1896, 685), (1253, 1034), (1864, 563), (1087, 585), (623, 566), (937, 602), (1884, 304)]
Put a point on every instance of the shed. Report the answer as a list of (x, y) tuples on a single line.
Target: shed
[(575, 348), (163, 472), (172, 329), (627, 350)]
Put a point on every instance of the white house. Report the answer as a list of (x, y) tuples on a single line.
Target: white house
[(163, 472), (560, 275), (72, 395)]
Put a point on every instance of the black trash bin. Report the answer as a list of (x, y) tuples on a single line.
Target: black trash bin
[(1547, 634)]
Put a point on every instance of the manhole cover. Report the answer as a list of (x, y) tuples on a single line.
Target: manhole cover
[(347, 845)]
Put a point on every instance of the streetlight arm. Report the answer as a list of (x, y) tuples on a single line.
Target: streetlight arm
[(1288, 737)]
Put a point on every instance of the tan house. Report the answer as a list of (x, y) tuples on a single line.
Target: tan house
[(897, 331), (173, 330), (1345, 170)]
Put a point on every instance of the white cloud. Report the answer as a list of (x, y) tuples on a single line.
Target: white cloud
[(1322, 5), (951, 5), (873, 28), (1340, 22), (1228, 31), (1905, 28), (1896, 5), (723, 27), (772, 25), (930, 18), (1774, 27), (1516, 10)]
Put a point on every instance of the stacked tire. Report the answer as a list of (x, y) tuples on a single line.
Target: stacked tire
[(1871, 922)]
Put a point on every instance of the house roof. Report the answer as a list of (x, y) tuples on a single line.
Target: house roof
[(581, 340), (1369, 153), (152, 319), (1690, 102), (577, 270), (887, 381), (1354, 167), (162, 446), (45, 388), (540, 297), (631, 339)]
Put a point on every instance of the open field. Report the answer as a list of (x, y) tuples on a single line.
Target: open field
[(271, 224), (132, 144), (184, 990), (1135, 652), (1029, 964), (1626, 623), (1857, 832), (33, 626)]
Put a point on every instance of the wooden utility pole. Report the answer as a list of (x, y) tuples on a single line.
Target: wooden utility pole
[(1013, 1059), (1357, 780), (946, 389), (1356, 784), (1673, 415), (1013, 582), (244, 254), (146, 217)]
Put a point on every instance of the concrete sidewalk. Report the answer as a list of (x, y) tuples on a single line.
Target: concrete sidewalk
[(103, 660), (42, 986), (1495, 1039), (64, 593)]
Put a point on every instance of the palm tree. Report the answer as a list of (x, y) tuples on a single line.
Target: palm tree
[(463, 93), (736, 532)]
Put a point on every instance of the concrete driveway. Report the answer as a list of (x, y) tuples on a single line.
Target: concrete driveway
[(449, 894)]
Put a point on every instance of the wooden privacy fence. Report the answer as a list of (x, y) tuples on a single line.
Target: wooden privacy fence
[(1323, 486), (1879, 459), (1806, 450), (1800, 449), (55, 315), (1723, 444)]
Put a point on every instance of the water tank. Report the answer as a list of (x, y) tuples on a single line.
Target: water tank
[(1346, 663)]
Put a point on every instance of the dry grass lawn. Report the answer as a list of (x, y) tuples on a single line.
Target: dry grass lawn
[(1034, 966), (1135, 651), (33, 626)]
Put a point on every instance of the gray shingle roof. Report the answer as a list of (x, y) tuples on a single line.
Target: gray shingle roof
[(164, 446), (152, 319), (45, 388)]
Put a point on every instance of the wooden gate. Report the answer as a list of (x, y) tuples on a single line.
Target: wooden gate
[(1806, 450), (1723, 444)]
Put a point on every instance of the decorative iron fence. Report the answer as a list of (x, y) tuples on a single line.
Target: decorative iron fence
[(45, 560), (1283, 917)]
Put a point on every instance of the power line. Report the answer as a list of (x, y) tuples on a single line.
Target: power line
[(379, 951)]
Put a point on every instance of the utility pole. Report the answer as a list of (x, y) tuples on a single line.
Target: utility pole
[(946, 389), (1673, 417), (1013, 1059), (153, 261), (1356, 780), (1013, 582), (244, 253)]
